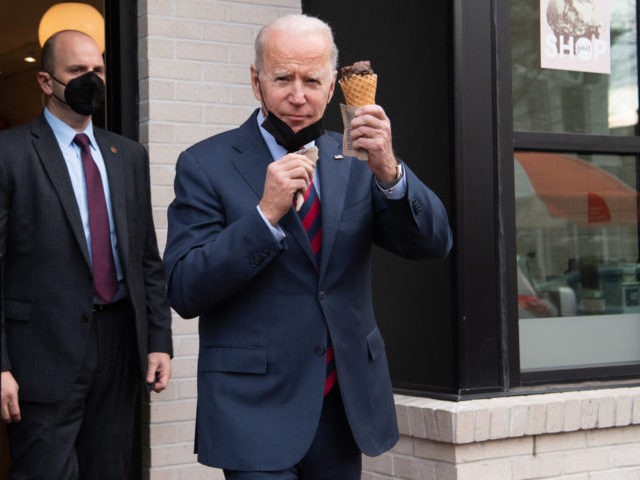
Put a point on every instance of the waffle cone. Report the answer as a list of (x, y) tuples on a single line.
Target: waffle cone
[(359, 90)]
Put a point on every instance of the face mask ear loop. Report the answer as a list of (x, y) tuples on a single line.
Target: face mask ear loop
[(63, 84), (264, 105), (52, 76)]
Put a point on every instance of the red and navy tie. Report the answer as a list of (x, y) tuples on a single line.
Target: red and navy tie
[(310, 216)]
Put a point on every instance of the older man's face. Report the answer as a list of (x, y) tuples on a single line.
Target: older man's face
[(296, 81)]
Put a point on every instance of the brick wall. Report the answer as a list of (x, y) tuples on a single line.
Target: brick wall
[(194, 59), (586, 435)]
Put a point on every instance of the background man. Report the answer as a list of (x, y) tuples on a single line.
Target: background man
[(293, 379), (84, 293)]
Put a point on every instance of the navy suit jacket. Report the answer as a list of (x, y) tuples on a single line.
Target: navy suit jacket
[(48, 286), (265, 309)]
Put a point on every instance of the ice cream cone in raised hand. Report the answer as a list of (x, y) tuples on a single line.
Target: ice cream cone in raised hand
[(358, 84)]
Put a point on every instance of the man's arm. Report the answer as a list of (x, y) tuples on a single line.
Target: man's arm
[(157, 307), (217, 241), (9, 406), (416, 225)]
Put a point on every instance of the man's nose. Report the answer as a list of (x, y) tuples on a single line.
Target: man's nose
[(297, 94)]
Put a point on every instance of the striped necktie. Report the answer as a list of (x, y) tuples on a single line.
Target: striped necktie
[(310, 216)]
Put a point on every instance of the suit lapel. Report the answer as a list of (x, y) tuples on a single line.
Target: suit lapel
[(252, 162), (112, 155), (253, 155), (334, 180), (291, 223), (48, 151)]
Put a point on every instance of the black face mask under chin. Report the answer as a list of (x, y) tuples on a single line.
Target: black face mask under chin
[(84, 94), (286, 137)]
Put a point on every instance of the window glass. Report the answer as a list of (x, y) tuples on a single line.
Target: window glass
[(577, 259), (564, 101)]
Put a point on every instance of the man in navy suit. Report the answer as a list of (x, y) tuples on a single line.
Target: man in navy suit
[(293, 381), (86, 318)]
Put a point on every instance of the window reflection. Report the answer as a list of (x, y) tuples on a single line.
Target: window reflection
[(568, 101), (577, 247), (577, 228)]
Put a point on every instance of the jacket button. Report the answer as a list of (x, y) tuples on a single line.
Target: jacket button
[(321, 296), (320, 351), (85, 318)]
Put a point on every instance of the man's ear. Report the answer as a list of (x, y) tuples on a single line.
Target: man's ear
[(333, 86), (44, 82), (255, 83)]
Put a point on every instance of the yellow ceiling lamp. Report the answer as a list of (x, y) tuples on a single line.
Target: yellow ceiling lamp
[(72, 16)]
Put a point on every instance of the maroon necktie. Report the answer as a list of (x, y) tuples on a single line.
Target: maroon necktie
[(310, 216), (104, 272)]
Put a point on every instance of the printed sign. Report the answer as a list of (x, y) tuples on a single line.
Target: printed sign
[(574, 35)]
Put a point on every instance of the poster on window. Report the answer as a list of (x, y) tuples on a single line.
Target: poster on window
[(574, 35)]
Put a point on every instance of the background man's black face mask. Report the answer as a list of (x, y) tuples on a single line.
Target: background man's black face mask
[(286, 137), (84, 94)]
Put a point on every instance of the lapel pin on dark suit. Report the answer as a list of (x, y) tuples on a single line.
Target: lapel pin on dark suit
[(338, 157), (113, 149)]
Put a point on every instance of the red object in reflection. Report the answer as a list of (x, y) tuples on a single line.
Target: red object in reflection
[(574, 189), (598, 210), (535, 305)]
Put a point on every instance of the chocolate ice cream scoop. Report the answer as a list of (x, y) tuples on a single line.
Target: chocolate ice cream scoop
[(363, 67), (358, 83)]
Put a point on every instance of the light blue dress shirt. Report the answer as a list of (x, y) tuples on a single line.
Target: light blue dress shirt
[(71, 152)]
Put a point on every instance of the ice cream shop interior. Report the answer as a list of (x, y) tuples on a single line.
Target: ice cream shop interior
[(517, 357)]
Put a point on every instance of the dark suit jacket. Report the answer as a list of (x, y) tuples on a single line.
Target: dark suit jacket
[(264, 308), (48, 290)]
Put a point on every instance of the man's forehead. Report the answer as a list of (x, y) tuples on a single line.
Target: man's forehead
[(76, 43), (287, 60)]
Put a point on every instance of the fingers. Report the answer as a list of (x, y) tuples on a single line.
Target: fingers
[(9, 405), (14, 412), (370, 124), (151, 372), (292, 172), (158, 370), (295, 167), (162, 381), (285, 176), (371, 131), (6, 417)]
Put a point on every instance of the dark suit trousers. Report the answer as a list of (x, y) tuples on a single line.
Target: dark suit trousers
[(333, 455), (89, 435)]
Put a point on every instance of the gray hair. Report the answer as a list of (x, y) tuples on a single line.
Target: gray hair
[(302, 24)]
